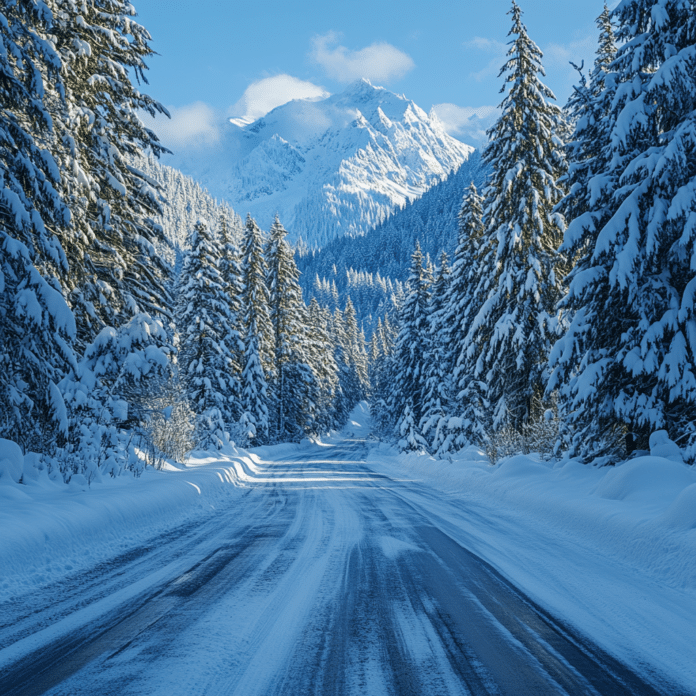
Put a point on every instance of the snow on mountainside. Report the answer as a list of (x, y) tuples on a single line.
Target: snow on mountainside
[(331, 167), (186, 202)]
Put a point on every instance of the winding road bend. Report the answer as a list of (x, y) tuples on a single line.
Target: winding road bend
[(323, 578)]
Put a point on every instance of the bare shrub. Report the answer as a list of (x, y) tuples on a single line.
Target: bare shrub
[(541, 435), (167, 424)]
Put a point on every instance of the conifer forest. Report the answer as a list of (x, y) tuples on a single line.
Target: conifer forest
[(529, 311), (563, 321)]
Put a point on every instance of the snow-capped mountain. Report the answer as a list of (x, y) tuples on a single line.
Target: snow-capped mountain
[(331, 167)]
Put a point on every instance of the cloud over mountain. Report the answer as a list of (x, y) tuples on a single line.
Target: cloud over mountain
[(262, 96)]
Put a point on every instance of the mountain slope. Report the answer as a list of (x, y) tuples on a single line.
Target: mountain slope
[(386, 249), (331, 167), (186, 202)]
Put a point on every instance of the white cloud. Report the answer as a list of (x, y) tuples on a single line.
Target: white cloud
[(489, 45), (192, 125), (467, 123), (262, 96), (379, 62)]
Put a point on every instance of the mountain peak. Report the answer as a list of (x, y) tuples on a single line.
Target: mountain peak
[(330, 167), (363, 85)]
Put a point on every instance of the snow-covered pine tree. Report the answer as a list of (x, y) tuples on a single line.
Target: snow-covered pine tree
[(465, 424), (259, 350), (586, 152), (411, 439), (587, 206), (204, 322), (113, 242), (254, 422), (351, 359), (255, 291), (356, 351), (321, 357), (381, 382), (461, 303), (294, 384), (347, 379), (36, 326), (628, 361), (231, 274), (410, 354), (437, 404), (374, 352), (511, 336), (186, 202)]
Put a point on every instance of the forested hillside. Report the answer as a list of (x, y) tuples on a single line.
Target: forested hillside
[(540, 298), (371, 268), (565, 322), (111, 356), (184, 202)]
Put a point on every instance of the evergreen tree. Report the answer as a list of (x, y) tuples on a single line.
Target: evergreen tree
[(36, 327), (347, 378), (587, 111), (293, 379), (627, 362), (410, 351), (511, 335), (381, 378), (355, 352), (205, 323), (255, 418), (411, 438), (437, 404), (113, 243), (461, 304), (321, 357), (259, 349), (231, 275)]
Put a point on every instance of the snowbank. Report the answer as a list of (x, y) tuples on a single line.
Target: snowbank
[(49, 530)]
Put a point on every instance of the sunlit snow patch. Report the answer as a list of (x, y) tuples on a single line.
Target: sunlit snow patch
[(392, 547)]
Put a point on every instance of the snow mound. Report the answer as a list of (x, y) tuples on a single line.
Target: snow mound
[(681, 514), (646, 479), (662, 446), (11, 462), (520, 466)]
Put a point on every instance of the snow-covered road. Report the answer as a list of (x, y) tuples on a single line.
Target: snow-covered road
[(322, 578)]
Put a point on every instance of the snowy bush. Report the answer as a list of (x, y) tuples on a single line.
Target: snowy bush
[(106, 396), (542, 434), (168, 430)]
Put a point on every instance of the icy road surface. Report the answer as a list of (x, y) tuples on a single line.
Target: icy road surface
[(323, 578)]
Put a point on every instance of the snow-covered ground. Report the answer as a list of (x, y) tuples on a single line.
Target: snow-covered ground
[(50, 530), (611, 551)]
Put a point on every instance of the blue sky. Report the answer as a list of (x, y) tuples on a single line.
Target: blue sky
[(223, 59)]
